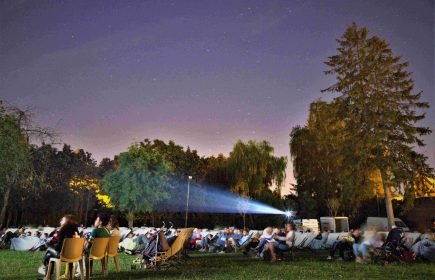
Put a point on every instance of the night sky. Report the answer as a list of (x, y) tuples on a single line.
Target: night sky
[(203, 73)]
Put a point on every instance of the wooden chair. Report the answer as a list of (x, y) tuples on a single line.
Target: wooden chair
[(112, 251), (176, 247), (72, 251), (98, 252)]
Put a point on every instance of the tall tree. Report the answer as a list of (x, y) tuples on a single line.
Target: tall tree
[(379, 108), (17, 130), (15, 156), (139, 182)]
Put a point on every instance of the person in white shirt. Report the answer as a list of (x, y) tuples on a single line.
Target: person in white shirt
[(282, 243)]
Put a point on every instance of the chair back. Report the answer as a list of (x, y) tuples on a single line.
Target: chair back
[(113, 246), (178, 244), (163, 241), (72, 249), (99, 248)]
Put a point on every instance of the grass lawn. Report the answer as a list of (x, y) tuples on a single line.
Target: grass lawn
[(306, 265)]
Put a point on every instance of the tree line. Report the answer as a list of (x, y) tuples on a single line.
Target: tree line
[(353, 150), (39, 183)]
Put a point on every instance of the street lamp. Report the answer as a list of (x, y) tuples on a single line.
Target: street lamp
[(187, 199)]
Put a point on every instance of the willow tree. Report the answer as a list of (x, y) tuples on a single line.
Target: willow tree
[(379, 107), (139, 182), (253, 169)]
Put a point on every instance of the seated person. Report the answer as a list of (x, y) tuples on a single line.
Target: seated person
[(7, 237), (68, 229), (244, 238), (205, 242), (142, 240), (281, 243), (424, 250), (345, 243), (100, 230), (320, 240), (362, 251), (233, 239), (223, 240), (150, 252), (252, 243), (21, 232), (113, 226), (264, 238), (129, 244)]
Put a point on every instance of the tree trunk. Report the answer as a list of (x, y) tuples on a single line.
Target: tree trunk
[(87, 209), (5, 206), (388, 203), (8, 221), (130, 218), (81, 207), (15, 218), (251, 219), (23, 217)]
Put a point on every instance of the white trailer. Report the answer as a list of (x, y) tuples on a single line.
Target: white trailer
[(305, 225), (334, 224), (381, 223)]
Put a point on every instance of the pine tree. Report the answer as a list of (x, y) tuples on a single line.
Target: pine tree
[(379, 107)]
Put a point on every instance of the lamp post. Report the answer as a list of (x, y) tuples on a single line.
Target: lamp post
[(187, 199)]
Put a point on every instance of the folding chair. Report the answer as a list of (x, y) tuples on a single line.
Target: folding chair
[(176, 247)]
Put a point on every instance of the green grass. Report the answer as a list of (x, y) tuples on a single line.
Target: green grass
[(306, 265)]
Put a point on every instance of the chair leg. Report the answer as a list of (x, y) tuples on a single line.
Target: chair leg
[(82, 273), (66, 271), (49, 268), (102, 267), (58, 268), (106, 266), (88, 268), (74, 269), (70, 270), (116, 263)]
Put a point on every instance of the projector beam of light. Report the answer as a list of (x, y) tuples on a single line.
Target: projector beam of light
[(208, 199), (288, 214)]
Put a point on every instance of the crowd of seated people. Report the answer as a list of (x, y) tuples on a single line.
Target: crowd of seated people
[(134, 243), (24, 240), (227, 241), (267, 244), (364, 246), (272, 240)]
